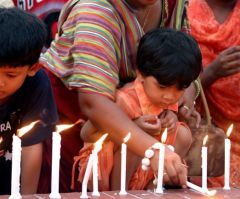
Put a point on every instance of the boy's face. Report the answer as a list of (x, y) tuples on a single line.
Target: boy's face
[(11, 79), (161, 95)]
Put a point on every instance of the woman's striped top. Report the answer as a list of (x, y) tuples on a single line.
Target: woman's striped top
[(97, 43)]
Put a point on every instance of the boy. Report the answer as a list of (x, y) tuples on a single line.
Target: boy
[(25, 96), (168, 61)]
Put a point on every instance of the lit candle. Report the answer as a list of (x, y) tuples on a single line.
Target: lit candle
[(56, 146), (86, 177), (159, 188), (227, 159), (97, 148), (123, 165), (204, 164), (16, 160)]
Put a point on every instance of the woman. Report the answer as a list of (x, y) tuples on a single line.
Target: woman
[(95, 51), (215, 25)]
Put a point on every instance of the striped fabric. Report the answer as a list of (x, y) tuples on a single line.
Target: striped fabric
[(97, 43)]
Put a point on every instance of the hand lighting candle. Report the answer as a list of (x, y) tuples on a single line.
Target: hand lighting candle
[(161, 163), (204, 164), (16, 160), (227, 159), (56, 146), (97, 148), (123, 165)]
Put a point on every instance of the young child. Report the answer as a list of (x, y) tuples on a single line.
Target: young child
[(168, 61), (25, 96)]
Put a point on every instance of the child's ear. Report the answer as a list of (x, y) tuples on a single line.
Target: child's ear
[(34, 69)]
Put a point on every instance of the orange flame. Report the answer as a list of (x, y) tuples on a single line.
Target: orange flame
[(127, 137), (98, 144), (25, 129), (164, 136), (1, 139), (205, 140), (63, 127), (229, 131)]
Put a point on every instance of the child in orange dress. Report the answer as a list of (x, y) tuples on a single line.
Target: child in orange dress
[(168, 61)]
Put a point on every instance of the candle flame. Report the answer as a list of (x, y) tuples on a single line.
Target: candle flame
[(127, 138), (229, 131), (211, 193), (63, 127), (25, 129), (164, 136), (98, 144), (1, 139), (205, 140)]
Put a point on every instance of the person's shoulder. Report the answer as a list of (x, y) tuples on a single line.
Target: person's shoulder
[(40, 79), (36, 85), (96, 6)]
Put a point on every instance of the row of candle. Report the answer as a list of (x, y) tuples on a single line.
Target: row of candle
[(93, 164)]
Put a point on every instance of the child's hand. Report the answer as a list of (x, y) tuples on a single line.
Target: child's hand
[(168, 120), (149, 123)]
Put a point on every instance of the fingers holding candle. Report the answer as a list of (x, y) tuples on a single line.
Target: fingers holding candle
[(176, 171)]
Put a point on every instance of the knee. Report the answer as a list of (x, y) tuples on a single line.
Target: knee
[(183, 140)]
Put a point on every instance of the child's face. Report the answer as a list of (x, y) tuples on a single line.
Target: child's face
[(11, 79), (161, 95)]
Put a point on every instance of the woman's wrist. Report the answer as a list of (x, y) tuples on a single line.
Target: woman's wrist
[(208, 76)]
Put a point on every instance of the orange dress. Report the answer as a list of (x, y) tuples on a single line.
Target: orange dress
[(223, 95), (133, 100)]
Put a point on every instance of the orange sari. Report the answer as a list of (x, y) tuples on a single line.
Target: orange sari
[(223, 95)]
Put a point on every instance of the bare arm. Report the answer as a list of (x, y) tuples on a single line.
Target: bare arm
[(89, 133), (30, 168), (107, 116)]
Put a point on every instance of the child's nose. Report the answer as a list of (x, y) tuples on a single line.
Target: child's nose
[(169, 97), (2, 83)]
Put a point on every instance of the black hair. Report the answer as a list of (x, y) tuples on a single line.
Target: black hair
[(170, 56), (22, 36), (49, 20)]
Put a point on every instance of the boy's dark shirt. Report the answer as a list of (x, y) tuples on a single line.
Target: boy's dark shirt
[(33, 101)]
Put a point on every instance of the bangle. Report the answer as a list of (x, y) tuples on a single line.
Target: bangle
[(149, 153), (197, 86)]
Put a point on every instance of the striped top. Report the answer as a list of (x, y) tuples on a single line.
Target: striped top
[(97, 43)]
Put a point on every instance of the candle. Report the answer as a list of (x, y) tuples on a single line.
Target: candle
[(227, 159), (199, 189), (86, 177), (97, 148), (56, 146), (123, 165), (161, 163), (16, 160), (204, 164)]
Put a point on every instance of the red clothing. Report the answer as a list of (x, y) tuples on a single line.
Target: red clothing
[(224, 94), (40, 8), (133, 100)]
